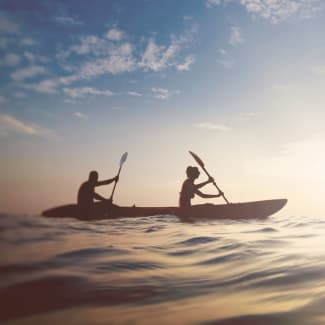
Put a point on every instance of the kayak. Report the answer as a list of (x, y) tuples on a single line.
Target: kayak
[(244, 210)]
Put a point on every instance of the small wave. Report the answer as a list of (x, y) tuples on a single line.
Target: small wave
[(262, 230), (198, 240), (183, 252), (265, 319), (222, 259), (91, 252), (154, 228), (120, 266)]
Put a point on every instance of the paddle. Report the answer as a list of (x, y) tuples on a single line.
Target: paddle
[(122, 161), (201, 163)]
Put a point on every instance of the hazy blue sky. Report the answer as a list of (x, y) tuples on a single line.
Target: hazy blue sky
[(239, 82)]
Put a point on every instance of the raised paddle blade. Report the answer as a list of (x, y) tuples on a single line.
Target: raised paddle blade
[(197, 159), (123, 158), (122, 161)]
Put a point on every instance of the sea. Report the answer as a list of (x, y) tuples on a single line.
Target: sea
[(160, 270)]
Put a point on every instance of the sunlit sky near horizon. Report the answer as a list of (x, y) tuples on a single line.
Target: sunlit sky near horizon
[(239, 82)]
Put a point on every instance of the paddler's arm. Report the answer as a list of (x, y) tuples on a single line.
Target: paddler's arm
[(210, 180), (208, 196), (99, 197), (107, 181)]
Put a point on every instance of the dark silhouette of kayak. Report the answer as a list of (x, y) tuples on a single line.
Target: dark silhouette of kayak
[(244, 210)]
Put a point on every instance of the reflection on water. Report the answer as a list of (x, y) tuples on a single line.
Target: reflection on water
[(159, 270)]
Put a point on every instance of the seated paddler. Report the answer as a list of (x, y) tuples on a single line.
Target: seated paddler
[(189, 189), (87, 194)]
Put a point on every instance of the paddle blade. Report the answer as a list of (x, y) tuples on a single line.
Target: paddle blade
[(197, 159), (123, 159)]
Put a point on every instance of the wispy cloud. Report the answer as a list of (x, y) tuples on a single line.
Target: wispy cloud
[(119, 60), (236, 36), (69, 21), (158, 57), (93, 56), (81, 116), (212, 126), (279, 10), (10, 59), (84, 91), (225, 59), (7, 26), (161, 93), (247, 115), (19, 94), (10, 124), (2, 100), (318, 70), (185, 66), (27, 41), (29, 72), (90, 44), (48, 86), (211, 3), (134, 93), (115, 34), (275, 10)]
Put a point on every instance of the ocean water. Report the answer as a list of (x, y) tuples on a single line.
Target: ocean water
[(158, 270)]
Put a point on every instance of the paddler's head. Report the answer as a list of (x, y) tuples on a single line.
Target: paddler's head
[(93, 177), (192, 172)]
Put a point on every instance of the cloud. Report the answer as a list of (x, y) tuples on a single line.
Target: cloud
[(2, 100), (48, 86), (19, 94), (27, 41), (318, 70), (275, 10), (247, 115), (163, 94), (29, 56), (211, 3), (84, 91), (3, 43), (301, 160), (185, 66), (11, 59), (80, 115), (10, 124), (225, 59), (7, 26), (212, 126), (68, 21), (32, 57), (114, 64), (115, 34), (236, 37), (29, 72), (93, 56), (133, 93), (90, 44), (158, 57), (280, 10), (119, 60)]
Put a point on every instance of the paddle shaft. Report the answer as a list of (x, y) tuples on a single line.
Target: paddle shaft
[(118, 174), (215, 184)]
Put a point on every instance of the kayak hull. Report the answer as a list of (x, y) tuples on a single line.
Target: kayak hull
[(244, 210)]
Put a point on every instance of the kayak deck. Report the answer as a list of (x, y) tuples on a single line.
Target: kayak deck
[(244, 210)]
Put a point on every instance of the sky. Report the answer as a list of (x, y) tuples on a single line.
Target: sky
[(239, 82)]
